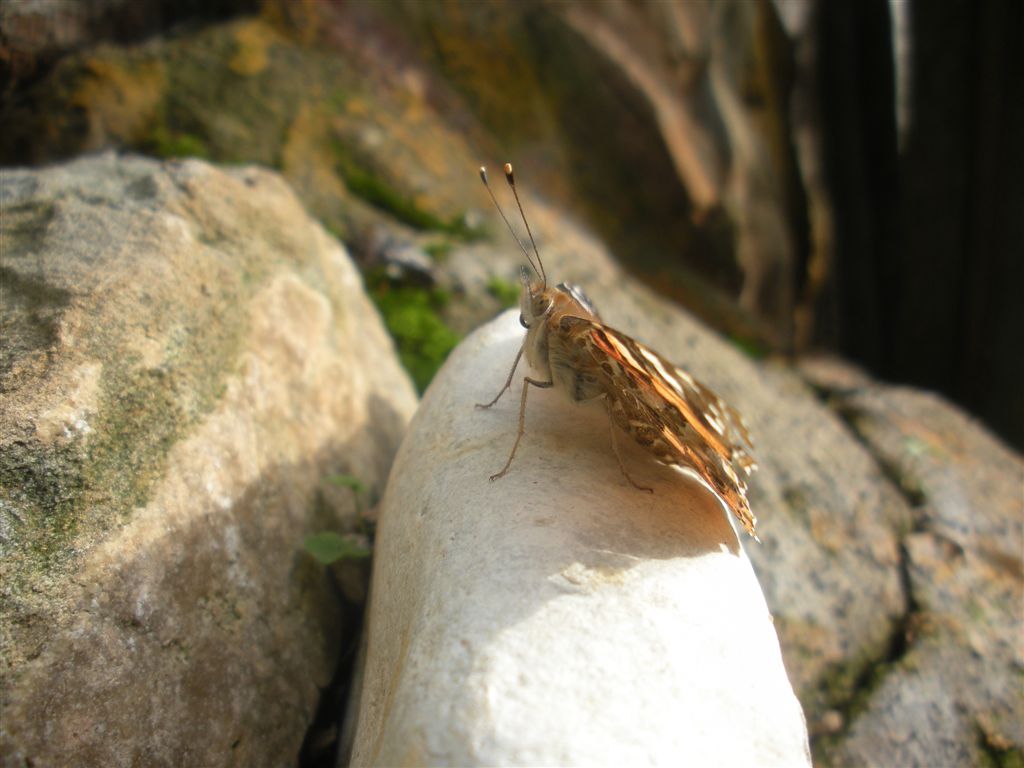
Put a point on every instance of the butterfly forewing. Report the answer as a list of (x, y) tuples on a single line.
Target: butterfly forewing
[(676, 417)]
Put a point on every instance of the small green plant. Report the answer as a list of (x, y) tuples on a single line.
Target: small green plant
[(166, 143), (347, 481), (438, 250), (330, 547)]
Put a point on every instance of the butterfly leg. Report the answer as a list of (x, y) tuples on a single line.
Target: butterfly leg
[(618, 456), (527, 381), (508, 382)]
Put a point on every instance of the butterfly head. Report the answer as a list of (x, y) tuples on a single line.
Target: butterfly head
[(534, 300)]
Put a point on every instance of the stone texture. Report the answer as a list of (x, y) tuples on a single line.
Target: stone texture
[(557, 615), (184, 362), (38, 27), (954, 695), (695, 68), (339, 97), (249, 91)]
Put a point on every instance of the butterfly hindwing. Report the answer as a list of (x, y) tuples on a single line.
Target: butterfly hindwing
[(679, 419)]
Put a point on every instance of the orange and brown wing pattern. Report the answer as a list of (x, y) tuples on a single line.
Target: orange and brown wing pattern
[(679, 419)]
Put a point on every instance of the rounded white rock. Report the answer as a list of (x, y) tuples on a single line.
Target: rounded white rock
[(558, 615)]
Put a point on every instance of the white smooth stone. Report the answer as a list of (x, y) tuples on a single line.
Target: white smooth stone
[(558, 616)]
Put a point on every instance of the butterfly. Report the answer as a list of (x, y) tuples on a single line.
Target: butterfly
[(668, 412)]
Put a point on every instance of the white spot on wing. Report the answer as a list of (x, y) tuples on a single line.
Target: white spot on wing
[(664, 373)]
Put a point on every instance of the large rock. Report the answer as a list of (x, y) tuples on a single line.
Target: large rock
[(186, 357), (951, 692), (558, 616)]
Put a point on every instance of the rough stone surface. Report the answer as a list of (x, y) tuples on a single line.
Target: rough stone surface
[(558, 615), (185, 359), (953, 695)]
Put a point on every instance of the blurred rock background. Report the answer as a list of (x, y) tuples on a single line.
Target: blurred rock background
[(804, 177)]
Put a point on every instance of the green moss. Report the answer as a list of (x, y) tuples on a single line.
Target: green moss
[(44, 486), (378, 193), (749, 346), (140, 419), (338, 100), (504, 291), (84, 483), (166, 143), (847, 687), (439, 250), (850, 686), (60, 489), (29, 311), (997, 755), (338, 229), (355, 484), (347, 481), (993, 757), (367, 184), (412, 316), (976, 610), (237, 88)]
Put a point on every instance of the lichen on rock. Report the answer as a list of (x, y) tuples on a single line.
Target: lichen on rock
[(184, 367)]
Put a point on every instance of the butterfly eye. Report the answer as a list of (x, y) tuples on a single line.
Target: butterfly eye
[(522, 321)]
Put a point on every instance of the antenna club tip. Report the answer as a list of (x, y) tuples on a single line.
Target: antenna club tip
[(508, 173), (483, 174)]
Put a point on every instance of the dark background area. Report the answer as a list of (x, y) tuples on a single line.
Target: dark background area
[(930, 239)]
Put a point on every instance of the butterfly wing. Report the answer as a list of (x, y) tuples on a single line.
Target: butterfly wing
[(672, 414)]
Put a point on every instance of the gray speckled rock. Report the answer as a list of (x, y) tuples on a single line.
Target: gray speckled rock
[(557, 615), (183, 365), (954, 696)]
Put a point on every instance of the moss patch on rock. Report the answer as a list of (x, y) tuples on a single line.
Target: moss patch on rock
[(505, 291), (413, 317), (372, 187)]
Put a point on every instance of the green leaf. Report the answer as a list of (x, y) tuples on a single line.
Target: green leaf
[(329, 547), (347, 481)]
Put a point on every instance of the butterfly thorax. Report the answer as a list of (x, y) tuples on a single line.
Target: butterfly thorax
[(553, 316)]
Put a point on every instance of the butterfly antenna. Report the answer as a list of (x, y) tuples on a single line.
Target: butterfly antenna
[(526, 253), (512, 183)]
